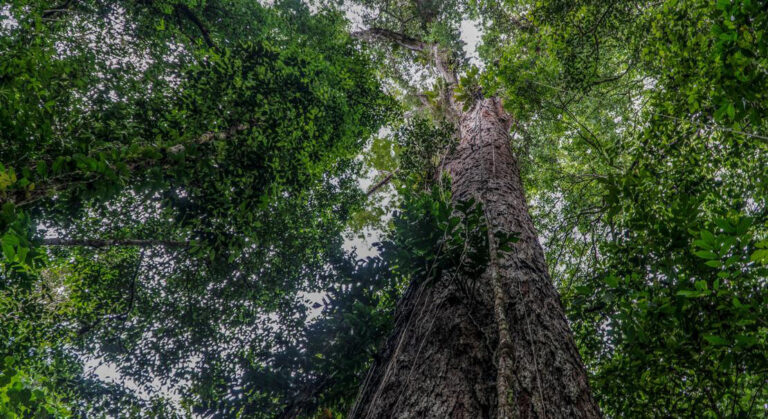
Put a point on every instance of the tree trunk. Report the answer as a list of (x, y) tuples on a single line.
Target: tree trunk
[(507, 353)]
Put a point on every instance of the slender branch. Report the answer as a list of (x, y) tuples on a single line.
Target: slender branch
[(712, 402), (754, 396), (379, 184), (131, 299), (132, 295), (521, 23), (56, 10), (98, 243), (386, 35), (187, 12), (219, 135)]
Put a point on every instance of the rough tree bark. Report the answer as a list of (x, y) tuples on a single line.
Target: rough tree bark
[(509, 352)]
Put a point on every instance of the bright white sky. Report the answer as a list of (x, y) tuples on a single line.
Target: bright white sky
[(471, 34)]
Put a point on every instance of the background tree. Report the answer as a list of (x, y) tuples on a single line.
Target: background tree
[(187, 166)]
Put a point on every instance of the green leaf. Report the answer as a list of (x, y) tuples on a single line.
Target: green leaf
[(706, 254), (725, 225), (715, 340), (708, 237), (760, 256), (743, 225), (746, 340)]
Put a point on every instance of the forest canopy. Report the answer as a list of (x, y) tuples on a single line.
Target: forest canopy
[(234, 207)]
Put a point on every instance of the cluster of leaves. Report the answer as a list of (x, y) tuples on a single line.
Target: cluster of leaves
[(224, 109), (714, 56), (422, 146), (691, 328), (22, 397), (681, 232), (409, 159), (468, 91), (433, 238)]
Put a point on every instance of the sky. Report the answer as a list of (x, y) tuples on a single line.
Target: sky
[(471, 35)]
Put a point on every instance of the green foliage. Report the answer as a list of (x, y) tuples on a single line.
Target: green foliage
[(433, 239), (634, 132), (222, 135), (717, 52), (468, 90), (21, 398), (318, 366), (411, 157), (684, 328), (422, 145)]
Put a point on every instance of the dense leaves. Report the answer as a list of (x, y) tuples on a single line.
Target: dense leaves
[(204, 156)]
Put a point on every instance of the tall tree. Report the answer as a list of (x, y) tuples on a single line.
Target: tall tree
[(500, 347)]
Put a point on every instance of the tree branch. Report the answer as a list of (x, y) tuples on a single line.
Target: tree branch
[(442, 57), (183, 9), (386, 35), (219, 135), (444, 67), (22, 198), (98, 243), (56, 10), (379, 184), (131, 299)]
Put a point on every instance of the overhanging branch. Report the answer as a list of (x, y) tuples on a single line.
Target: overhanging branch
[(23, 198), (386, 35), (98, 243), (189, 14), (379, 185), (57, 10), (218, 135)]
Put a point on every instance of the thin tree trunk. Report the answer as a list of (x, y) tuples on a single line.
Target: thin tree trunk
[(509, 351)]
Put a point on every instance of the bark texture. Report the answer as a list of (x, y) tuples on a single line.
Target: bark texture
[(509, 352)]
